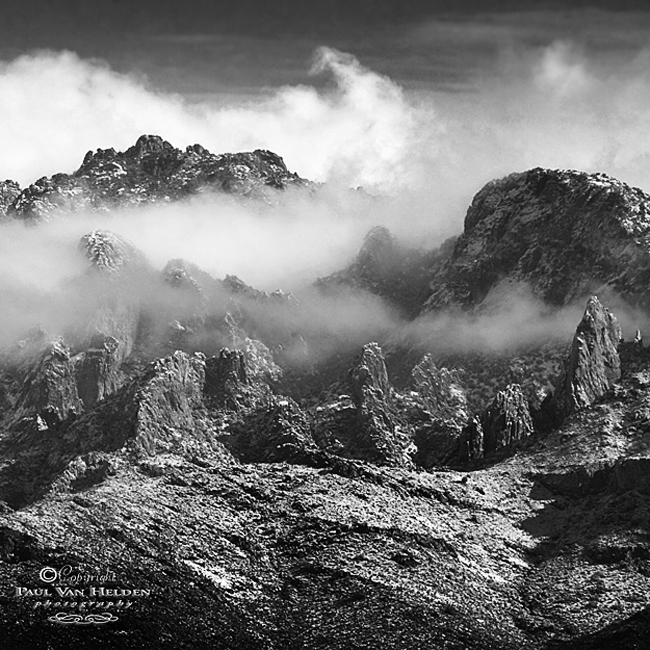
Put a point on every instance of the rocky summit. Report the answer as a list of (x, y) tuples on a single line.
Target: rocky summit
[(151, 170), (566, 234), (184, 467)]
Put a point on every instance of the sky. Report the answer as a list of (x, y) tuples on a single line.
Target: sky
[(477, 87)]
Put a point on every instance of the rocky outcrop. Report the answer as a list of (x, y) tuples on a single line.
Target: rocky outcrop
[(151, 170), (164, 404), (471, 442), (386, 268), (592, 366), (277, 431), (566, 234), (442, 413), (98, 372), (376, 435), (362, 424), (9, 191), (49, 393), (111, 254), (227, 383), (507, 420), (440, 392), (160, 412)]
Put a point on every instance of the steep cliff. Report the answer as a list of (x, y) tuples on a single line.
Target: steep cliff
[(593, 364)]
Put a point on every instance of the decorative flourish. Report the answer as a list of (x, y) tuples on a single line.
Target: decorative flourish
[(79, 619)]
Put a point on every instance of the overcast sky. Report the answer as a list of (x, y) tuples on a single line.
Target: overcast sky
[(41, 19)]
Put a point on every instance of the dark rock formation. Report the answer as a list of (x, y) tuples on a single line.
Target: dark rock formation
[(443, 413), (49, 393), (471, 442), (440, 391), (386, 268), (9, 191), (160, 412), (592, 366), (165, 402), (151, 170), (506, 420), (566, 234), (362, 424), (227, 384), (277, 431), (376, 435), (613, 476), (98, 373)]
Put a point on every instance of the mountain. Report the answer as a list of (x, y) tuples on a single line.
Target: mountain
[(565, 234), (181, 470), (152, 170)]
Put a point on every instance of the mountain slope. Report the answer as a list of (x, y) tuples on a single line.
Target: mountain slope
[(207, 490)]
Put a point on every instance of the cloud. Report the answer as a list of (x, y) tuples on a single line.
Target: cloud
[(55, 106), (421, 157)]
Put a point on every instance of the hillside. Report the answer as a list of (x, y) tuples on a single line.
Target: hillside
[(207, 472)]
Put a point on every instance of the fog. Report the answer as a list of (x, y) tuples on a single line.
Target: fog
[(420, 153)]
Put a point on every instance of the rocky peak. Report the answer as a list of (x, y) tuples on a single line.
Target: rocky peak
[(376, 433), (564, 233), (593, 363), (441, 413), (379, 247), (149, 171), (178, 274), (110, 253), (9, 191), (161, 411), (227, 384), (506, 420), (49, 391), (369, 377), (440, 390), (147, 144), (277, 431)]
